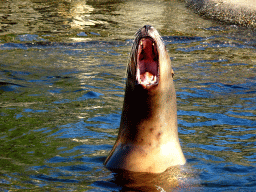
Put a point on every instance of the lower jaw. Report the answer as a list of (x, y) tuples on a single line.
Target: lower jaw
[(146, 86)]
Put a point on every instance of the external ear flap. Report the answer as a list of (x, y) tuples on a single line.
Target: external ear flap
[(172, 73)]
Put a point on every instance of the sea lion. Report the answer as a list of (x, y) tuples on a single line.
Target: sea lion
[(148, 136)]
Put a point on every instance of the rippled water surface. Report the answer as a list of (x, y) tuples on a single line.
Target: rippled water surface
[(62, 80)]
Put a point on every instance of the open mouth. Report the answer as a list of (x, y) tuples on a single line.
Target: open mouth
[(147, 72)]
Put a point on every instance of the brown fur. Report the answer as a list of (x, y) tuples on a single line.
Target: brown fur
[(148, 135)]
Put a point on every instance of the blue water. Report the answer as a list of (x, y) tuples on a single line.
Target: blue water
[(61, 100)]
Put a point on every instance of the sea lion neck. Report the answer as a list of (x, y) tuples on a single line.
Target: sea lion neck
[(149, 115)]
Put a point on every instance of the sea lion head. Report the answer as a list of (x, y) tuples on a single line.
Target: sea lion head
[(147, 54), (150, 97)]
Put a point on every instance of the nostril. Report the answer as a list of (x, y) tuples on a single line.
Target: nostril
[(147, 27)]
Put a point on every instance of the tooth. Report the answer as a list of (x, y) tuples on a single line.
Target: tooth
[(138, 73)]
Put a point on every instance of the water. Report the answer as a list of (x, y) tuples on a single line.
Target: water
[(62, 78)]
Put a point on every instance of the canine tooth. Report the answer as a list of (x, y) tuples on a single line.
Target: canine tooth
[(138, 74)]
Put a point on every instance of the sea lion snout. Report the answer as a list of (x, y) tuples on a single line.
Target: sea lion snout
[(146, 58), (147, 71), (145, 29)]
